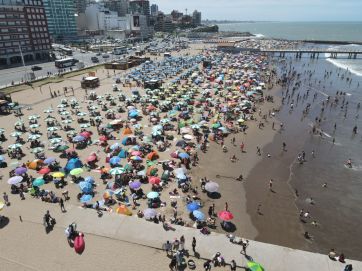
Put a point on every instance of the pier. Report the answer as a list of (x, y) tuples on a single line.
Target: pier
[(282, 52)]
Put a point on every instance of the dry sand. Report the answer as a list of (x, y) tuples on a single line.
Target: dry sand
[(214, 165)]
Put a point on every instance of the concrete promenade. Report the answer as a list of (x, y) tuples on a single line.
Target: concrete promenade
[(139, 231)]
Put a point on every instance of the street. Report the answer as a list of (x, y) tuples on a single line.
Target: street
[(18, 73)]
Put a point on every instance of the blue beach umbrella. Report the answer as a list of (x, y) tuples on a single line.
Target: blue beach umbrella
[(192, 206), (78, 138), (86, 198), (85, 187), (89, 179), (115, 160), (183, 155), (198, 215)]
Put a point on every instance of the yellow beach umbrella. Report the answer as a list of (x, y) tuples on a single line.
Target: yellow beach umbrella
[(58, 174)]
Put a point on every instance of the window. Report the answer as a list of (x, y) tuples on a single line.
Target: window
[(6, 37), (4, 30), (7, 43)]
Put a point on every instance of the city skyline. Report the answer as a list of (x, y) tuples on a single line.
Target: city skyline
[(268, 10)]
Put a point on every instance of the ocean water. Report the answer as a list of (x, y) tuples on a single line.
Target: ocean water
[(326, 31), (337, 208), (330, 31)]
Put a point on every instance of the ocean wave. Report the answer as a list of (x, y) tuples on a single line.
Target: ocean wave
[(344, 66), (259, 35)]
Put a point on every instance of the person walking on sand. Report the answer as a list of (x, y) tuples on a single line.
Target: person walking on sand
[(284, 146), (6, 199), (271, 185), (233, 265), (193, 244), (226, 206), (61, 203), (258, 152), (242, 146)]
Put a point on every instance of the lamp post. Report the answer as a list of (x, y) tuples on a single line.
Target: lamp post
[(22, 59)]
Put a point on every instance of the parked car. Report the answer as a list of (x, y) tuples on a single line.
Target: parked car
[(36, 68), (94, 59)]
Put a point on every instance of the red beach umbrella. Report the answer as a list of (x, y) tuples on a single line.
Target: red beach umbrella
[(44, 170), (86, 134), (103, 138), (154, 180), (225, 215)]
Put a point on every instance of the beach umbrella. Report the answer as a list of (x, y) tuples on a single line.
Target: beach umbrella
[(62, 148), (136, 158), (20, 170), (15, 134), (192, 206), (211, 187), (122, 209), (116, 171), (81, 114), (58, 174), (89, 179), (68, 121), (253, 266), (115, 160), (136, 153), (91, 158), (108, 194), (15, 180), (115, 146), (78, 138), (149, 213), (76, 171), (86, 198), (49, 110), (154, 180), (152, 195), (2, 158), (183, 155), (225, 215), (84, 125), (135, 185), (56, 140), (198, 215), (49, 160), (37, 150), (103, 138), (33, 126), (44, 170), (86, 187), (52, 129), (86, 134), (38, 182), (64, 113), (33, 137)]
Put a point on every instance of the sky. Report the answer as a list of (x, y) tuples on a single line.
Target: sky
[(268, 10)]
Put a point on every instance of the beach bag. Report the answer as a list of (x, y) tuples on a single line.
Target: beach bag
[(348, 267)]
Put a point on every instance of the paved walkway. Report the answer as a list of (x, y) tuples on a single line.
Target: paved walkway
[(139, 231)]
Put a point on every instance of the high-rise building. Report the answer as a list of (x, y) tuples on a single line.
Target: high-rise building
[(140, 7), (119, 6), (81, 5), (196, 18), (154, 9), (61, 16), (23, 32)]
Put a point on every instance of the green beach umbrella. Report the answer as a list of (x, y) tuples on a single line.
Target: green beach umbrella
[(253, 266), (85, 125), (33, 126), (56, 140), (76, 171), (62, 148), (14, 146), (117, 171), (67, 121)]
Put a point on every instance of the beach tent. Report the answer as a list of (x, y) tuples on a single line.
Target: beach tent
[(123, 154)]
